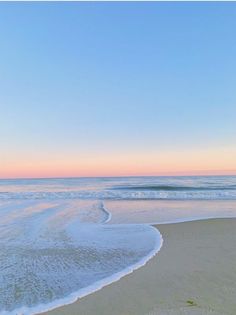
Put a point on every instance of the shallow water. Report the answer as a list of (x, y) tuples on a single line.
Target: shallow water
[(50, 250), (56, 245)]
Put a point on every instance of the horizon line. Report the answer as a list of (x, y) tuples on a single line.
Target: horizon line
[(119, 176)]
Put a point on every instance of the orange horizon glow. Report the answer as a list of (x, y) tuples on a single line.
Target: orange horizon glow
[(110, 165)]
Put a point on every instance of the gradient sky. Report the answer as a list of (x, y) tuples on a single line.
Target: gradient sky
[(99, 89)]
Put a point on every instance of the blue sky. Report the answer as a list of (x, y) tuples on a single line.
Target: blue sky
[(116, 79)]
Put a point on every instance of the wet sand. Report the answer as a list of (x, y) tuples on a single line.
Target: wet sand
[(194, 273)]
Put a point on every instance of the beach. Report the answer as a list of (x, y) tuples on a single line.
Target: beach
[(118, 246), (118, 158), (194, 273)]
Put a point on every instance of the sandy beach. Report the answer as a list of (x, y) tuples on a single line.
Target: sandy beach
[(194, 273)]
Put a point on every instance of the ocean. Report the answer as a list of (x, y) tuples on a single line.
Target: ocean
[(64, 238)]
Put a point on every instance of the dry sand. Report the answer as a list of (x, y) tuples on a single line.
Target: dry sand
[(194, 273)]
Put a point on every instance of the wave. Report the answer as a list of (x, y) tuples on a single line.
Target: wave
[(106, 212), (181, 188), (73, 297), (54, 252), (130, 193), (174, 188)]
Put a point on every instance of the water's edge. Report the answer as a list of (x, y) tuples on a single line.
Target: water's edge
[(96, 286), (117, 276)]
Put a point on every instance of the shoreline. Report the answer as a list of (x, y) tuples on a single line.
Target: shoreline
[(95, 287), (152, 289)]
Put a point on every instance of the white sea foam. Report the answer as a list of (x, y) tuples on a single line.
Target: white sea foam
[(123, 195), (53, 253), (93, 287), (107, 213)]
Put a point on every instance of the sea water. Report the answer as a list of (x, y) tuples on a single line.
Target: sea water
[(61, 239)]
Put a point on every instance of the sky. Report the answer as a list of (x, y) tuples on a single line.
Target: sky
[(117, 89)]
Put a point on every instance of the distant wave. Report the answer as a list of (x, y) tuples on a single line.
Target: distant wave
[(180, 188), (129, 193), (175, 188)]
